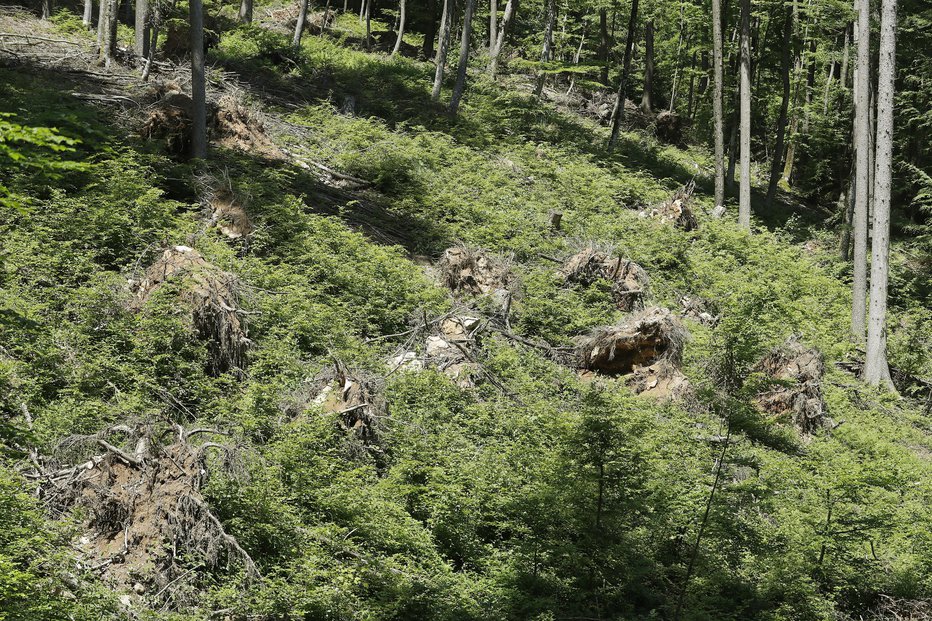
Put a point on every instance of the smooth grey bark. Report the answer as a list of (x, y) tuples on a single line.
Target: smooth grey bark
[(776, 165), (510, 8), (744, 190), (618, 111), (862, 164), (876, 369), (362, 10), (443, 48), (719, 123), (401, 26), (101, 23), (843, 78), (198, 82), (493, 23), (548, 44), (141, 43), (460, 85), (88, 19), (245, 11), (48, 7), (647, 98), (299, 26)]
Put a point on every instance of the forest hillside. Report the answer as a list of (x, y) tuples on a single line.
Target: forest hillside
[(429, 310)]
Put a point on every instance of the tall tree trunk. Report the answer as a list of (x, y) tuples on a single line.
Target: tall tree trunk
[(141, 43), (718, 119), (733, 149), (776, 165), (510, 8), (829, 76), (744, 194), (861, 190), (48, 7), (460, 85), (299, 26), (678, 63), (846, 202), (153, 44), (368, 24), (810, 85), (198, 82), (362, 10), (548, 44), (88, 19), (576, 57), (704, 61), (102, 9), (647, 99), (876, 369), (843, 78), (430, 31), (245, 11), (446, 26), (603, 45), (401, 26), (345, 6), (493, 23), (618, 111), (692, 87)]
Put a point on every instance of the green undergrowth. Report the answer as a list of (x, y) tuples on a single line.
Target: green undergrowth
[(534, 495)]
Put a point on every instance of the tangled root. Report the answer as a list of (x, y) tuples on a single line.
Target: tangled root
[(799, 370), (629, 280), (676, 210), (472, 271), (645, 338)]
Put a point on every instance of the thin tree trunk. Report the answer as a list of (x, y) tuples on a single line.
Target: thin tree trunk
[(368, 24), (876, 369), (153, 45), (245, 11), (141, 44), (460, 85), (744, 196), (810, 85), (510, 8), (48, 7), (493, 23), (88, 19), (777, 158), (618, 112), (843, 78), (692, 87), (345, 6), (299, 26), (546, 49), (576, 57), (401, 26), (198, 83), (443, 48), (362, 10), (102, 9), (829, 75), (603, 45), (647, 99), (733, 150), (719, 124), (679, 48), (846, 202), (430, 32), (862, 155)]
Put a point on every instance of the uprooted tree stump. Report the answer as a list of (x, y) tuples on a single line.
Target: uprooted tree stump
[(668, 127), (676, 210), (212, 295), (629, 280), (230, 124), (641, 340), (473, 271), (796, 392), (142, 517), (228, 214)]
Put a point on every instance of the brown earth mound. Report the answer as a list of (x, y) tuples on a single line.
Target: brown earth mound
[(798, 397), (213, 297), (140, 512), (643, 339), (676, 210), (661, 380), (629, 280)]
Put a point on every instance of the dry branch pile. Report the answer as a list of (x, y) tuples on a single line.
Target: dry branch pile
[(629, 280), (676, 210), (699, 309), (213, 296), (141, 513), (797, 371), (357, 398), (450, 348)]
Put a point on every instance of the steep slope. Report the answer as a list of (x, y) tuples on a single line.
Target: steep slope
[(379, 445)]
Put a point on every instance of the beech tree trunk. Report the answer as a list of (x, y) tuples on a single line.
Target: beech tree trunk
[(48, 7), (198, 83), (88, 19), (744, 193), (401, 26), (245, 10), (876, 369), (647, 98), (776, 167), (603, 44), (460, 85), (141, 43), (510, 8), (493, 23), (446, 26), (618, 111), (548, 44), (862, 163), (719, 123), (843, 78), (299, 26)]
